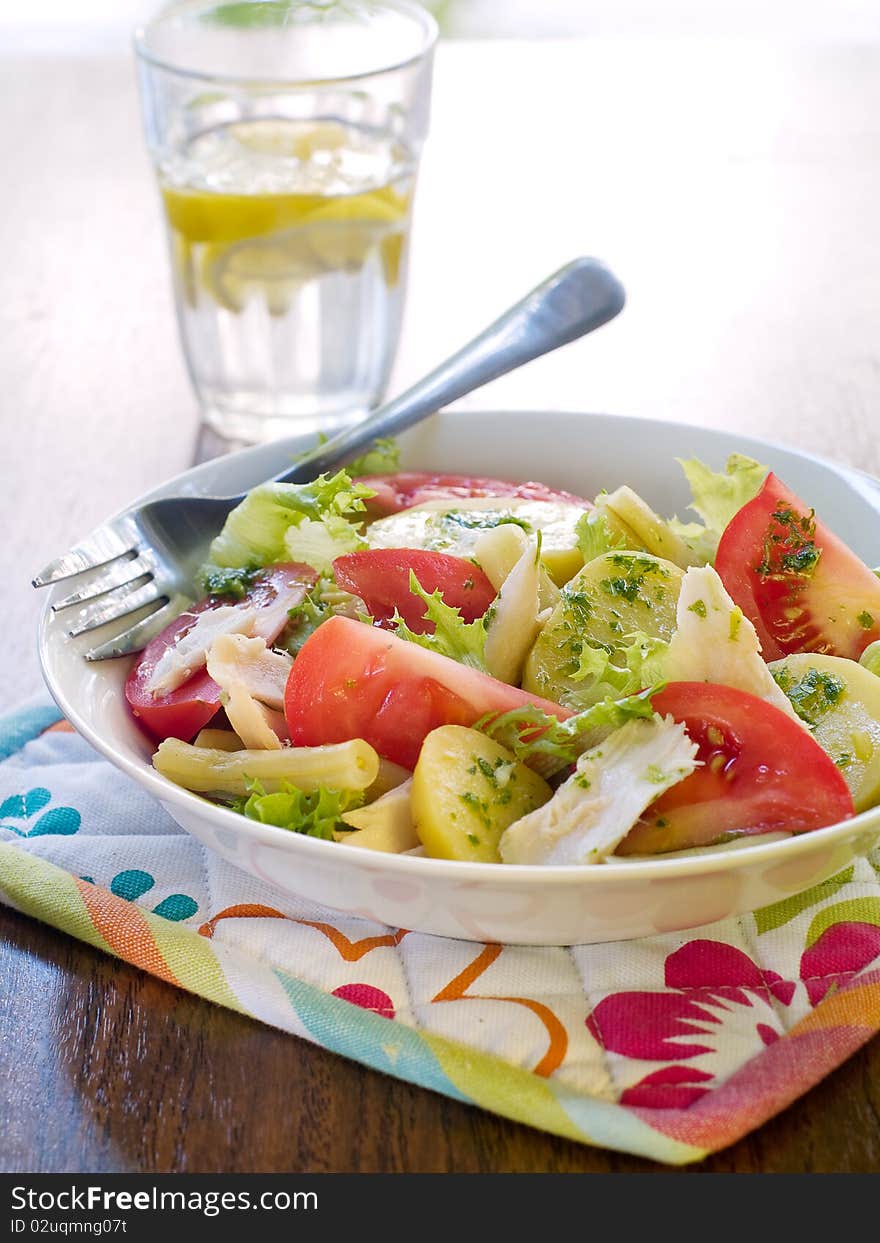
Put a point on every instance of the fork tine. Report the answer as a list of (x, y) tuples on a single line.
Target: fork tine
[(103, 545), (137, 638), (121, 575), (119, 606)]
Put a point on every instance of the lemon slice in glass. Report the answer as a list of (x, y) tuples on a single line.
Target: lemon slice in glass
[(272, 267), (215, 217), (344, 231)]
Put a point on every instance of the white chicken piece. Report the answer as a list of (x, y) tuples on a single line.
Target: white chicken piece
[(514, 619), (592, 812), (272, 618), (252, 678), (499, 549), (715, 642), (189, 654)]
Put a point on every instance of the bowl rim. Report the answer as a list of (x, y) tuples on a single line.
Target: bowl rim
[(620, 872)]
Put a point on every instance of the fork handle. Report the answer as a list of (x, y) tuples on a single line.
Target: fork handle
[(578, 298)]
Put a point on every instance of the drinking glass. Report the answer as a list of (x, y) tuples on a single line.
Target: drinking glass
[(286, 136)]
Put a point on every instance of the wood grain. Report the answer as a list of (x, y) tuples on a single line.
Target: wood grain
[(106, 1069), (735, 189)]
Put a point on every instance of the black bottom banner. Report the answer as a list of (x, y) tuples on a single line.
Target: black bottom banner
[(287, 1206)]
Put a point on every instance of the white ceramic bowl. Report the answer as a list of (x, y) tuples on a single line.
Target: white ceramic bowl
[(489, 902)]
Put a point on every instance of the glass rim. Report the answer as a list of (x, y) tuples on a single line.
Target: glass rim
[(422, 16)]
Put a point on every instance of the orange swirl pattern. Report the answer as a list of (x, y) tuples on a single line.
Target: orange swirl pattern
[(456, 990)]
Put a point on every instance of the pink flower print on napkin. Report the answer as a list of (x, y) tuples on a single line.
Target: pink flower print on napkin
[(708, 980)]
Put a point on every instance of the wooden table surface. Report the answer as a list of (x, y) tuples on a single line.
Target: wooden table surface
[(735, 188)]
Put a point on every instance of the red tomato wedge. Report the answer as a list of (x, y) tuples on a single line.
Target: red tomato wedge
[(801, 587), (380, 576), (408, 488), (355, 681), (761, 772), (183, 712)]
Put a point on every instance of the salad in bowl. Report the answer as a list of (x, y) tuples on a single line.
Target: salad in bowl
[(484, 671)]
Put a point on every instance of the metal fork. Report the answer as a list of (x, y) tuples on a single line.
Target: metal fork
[(147, 557)]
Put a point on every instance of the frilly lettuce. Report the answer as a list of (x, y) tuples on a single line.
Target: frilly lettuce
[(305, 619), (324, 601), (308, 522), (462, 641), (594, 535), (316, 814), (548, 745), (717, 496), (637, 662)]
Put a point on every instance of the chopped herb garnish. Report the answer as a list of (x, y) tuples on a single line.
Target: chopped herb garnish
[(223, 581), (789, 547), (487, 770), (477, 806), (698, 607), (628, 588), (865, 620), (480, 520), (637, 564), (816, 693)]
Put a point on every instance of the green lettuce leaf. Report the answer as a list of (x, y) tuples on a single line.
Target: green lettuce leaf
[(462, 641), (549, 745), (317, 542), (305, 618), (636, 662), (594, 535), (717, 496), (382, 458), (316, 814), (309, 522)]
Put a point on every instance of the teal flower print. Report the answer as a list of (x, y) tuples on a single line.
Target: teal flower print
[(63, 821), (134, 883)]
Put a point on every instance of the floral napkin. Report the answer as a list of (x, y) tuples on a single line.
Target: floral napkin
[(670, 1047)]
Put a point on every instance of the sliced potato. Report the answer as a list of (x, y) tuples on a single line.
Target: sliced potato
[(466, 791), (840, 701), (612, 597), (455, 528), (386, 825), (341, 766), (219, 740)]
